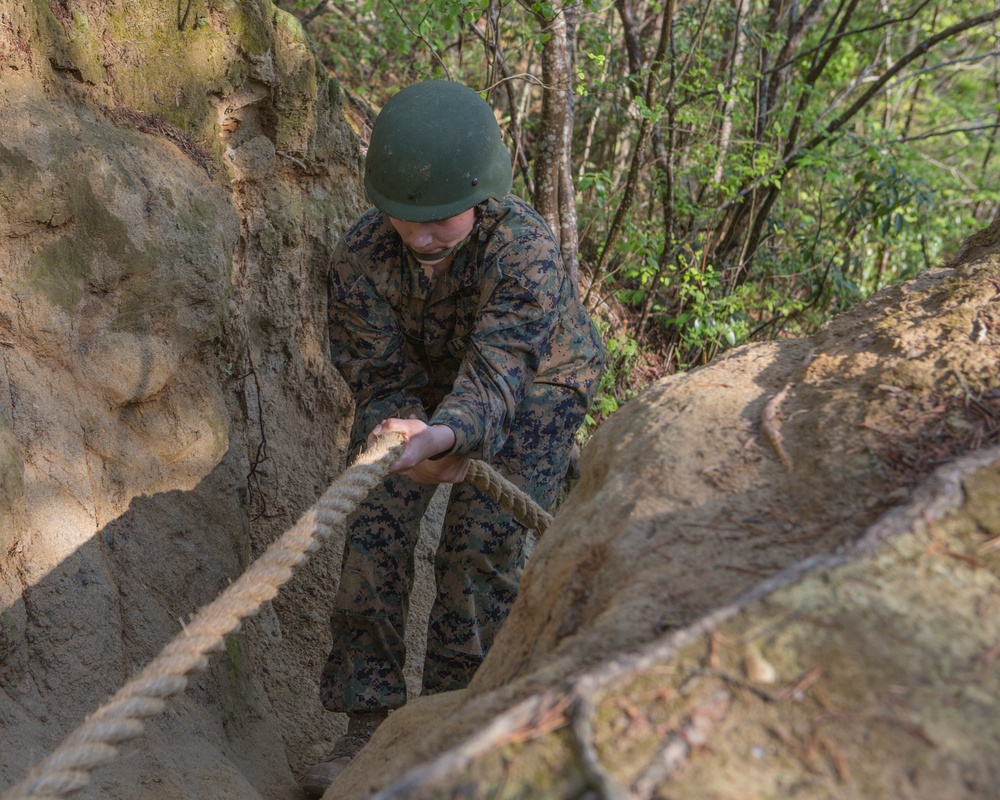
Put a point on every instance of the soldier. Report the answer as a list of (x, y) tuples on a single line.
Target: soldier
[(454, 323)]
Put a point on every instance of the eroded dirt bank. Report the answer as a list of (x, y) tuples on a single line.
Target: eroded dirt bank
[(169, 196)]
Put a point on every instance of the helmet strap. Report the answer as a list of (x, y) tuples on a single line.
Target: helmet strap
[(440, 255), (433, 258)]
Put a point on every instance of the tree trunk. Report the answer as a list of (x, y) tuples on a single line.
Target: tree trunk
[(735, 63), (554, 195)]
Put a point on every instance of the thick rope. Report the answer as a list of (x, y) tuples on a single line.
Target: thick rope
[(527, 511), (96, 741)]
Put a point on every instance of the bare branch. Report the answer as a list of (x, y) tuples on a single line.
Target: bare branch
[(419, 37), (879, 85), (949, 132), (853, 32), (934, 67)]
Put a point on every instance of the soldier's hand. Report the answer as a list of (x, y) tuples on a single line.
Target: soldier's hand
[(423, 441)]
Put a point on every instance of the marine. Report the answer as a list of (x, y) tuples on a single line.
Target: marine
[(455, 324)]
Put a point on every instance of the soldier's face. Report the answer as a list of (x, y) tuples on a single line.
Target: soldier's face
[(435, 240)]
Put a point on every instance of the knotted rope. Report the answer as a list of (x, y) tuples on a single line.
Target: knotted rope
[(96, 741)]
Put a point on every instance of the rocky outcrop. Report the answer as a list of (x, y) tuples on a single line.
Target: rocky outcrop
[(172, 182)]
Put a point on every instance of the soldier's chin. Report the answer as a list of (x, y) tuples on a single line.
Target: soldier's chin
[(433, 258)]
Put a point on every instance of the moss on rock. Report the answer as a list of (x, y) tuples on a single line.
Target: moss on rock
[(11, 486)]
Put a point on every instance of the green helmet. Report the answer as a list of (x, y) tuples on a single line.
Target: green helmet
[(435, 151)]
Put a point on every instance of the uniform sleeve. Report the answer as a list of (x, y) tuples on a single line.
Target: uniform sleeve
[(367, 346), (511, 338)]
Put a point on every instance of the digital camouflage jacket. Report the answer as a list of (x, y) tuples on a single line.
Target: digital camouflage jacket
[(466, 348)]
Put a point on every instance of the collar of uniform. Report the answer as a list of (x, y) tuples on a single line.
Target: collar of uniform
[(466, 267)]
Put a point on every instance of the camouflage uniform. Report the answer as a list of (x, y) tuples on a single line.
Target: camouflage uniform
[(501, 350)]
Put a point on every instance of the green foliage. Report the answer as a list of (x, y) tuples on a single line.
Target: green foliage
[(865, 206), (761, 205), (621, 353), (709, 320), (375, 47)]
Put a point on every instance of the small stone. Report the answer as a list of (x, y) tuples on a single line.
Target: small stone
[(759, 669)]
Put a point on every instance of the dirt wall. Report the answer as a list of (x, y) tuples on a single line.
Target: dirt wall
[(172, 182)]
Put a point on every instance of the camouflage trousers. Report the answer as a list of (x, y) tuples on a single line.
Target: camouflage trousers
[(477, 569)]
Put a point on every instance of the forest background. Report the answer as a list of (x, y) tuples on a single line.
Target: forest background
[(717, 171)]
